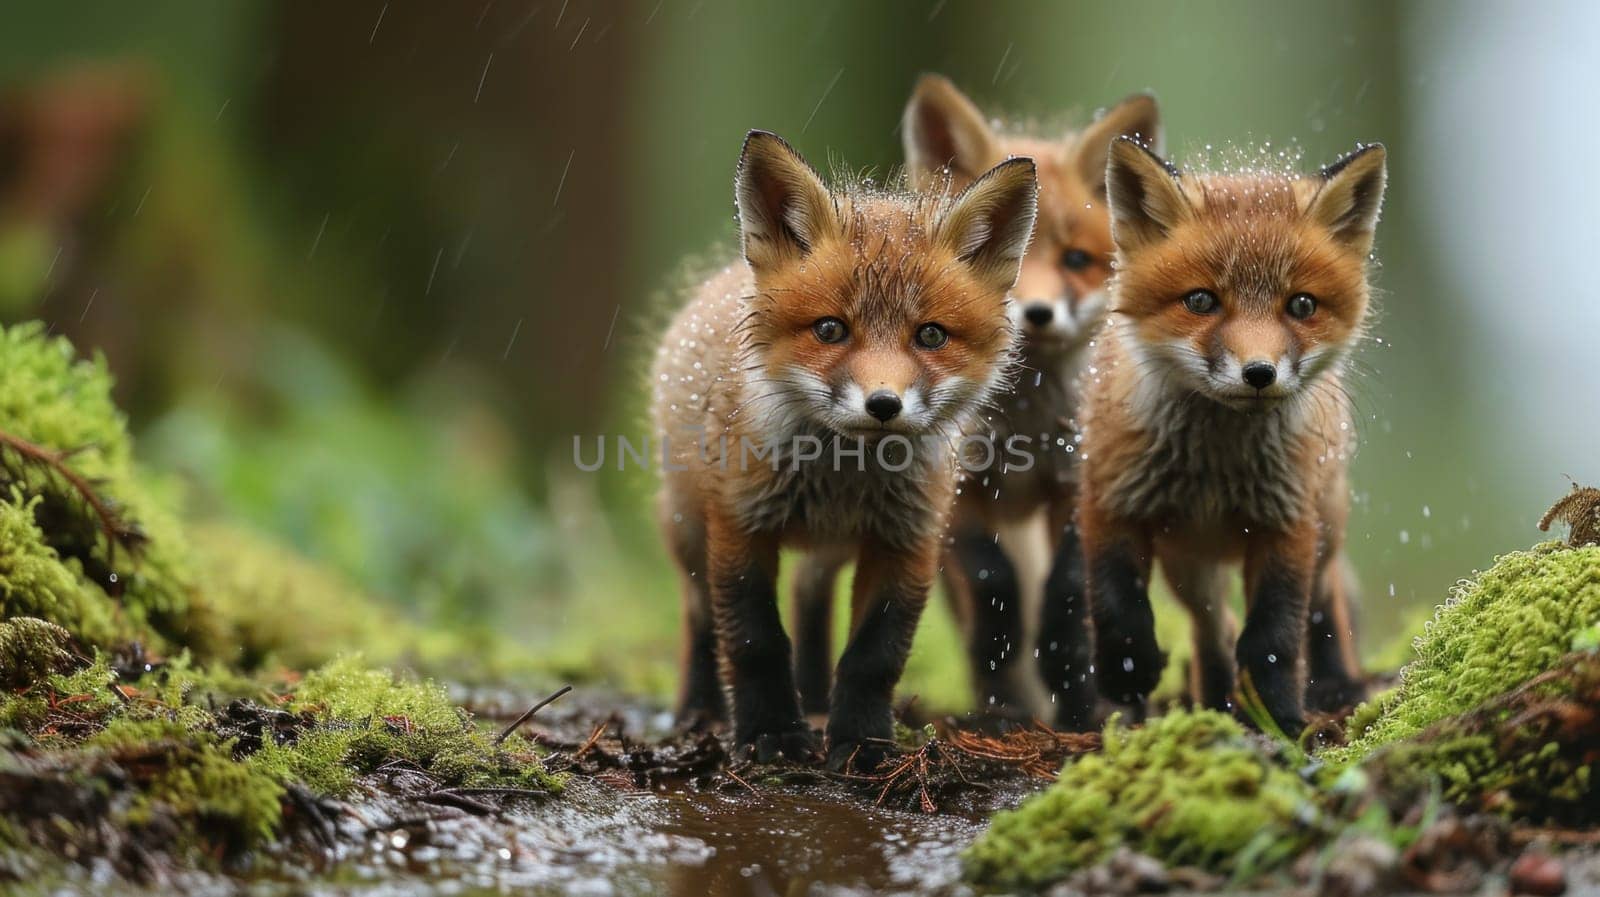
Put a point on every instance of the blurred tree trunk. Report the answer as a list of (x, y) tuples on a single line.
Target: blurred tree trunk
[(468, 155)]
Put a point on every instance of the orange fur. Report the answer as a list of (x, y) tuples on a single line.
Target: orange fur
[(1184, 460), (748, 363)]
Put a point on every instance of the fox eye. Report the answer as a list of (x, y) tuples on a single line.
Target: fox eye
[(1076, 259), (829, 330), (1201, 302), (932, 336), (1302, 306)]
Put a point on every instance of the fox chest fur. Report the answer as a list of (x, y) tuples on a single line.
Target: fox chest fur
[(1028, 448), (1182, 462), (848, 497)]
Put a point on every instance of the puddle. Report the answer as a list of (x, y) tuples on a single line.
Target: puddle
[(596, 841)]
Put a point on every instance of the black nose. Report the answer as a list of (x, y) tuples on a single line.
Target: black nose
[(883, 404), (1038, 315), (1260, 374)]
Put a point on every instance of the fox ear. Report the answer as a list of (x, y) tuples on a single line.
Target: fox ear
[(784, 208), (1136, 117), (1144, 195), (988, 226), (1351, 196), (943, 129)]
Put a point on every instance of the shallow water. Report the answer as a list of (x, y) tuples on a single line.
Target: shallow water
[(598, 841)]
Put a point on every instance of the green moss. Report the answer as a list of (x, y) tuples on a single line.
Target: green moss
[(1512, 623), (87, 690), (197, 784), (35, 582), (58, 562), (1191, 788), (30, 650), (371, 718), (346, 689), (1528, 753)]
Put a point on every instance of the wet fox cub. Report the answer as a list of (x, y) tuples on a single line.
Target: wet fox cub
[(1217, 428), (1003, 554), (812, 396)]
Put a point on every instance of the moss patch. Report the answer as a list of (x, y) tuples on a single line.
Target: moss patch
[(74, 507), (1191, 788), (193, 754), (1514, 622)]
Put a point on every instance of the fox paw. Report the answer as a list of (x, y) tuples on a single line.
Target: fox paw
[(798, 745), (1128, 667), (861, 757), (1330, 694)]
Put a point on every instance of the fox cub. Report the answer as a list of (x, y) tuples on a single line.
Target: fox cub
[(1057, 305), (812, 396), (1217, 426)]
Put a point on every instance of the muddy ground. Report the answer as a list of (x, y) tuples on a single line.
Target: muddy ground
[(649, 809)]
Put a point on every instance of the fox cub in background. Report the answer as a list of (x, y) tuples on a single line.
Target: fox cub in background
[(812, 396), (1217, 427), (1057, 305)]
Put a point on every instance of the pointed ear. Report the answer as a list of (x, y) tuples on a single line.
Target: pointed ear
[(988, 226), (942, 128), (1144, 195), (784, 208), (1351, 196), (1136, 117)]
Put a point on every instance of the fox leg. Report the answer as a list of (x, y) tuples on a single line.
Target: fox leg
[(753, 646), (1333, 669), (811, 612), (1278, 572), (891, 589), (699, 688), (1065, 646), (1202, 588), (1128, 662), (985, 581)]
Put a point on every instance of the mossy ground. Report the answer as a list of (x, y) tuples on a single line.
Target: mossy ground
[(147, 700), (1495, 712), (1191, 788), (1513, 622)]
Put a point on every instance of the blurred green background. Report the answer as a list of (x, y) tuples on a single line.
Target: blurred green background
[(365, 269)]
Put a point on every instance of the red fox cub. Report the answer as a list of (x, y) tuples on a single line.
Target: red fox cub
[(1217, 427), (1058, 303), (813, 396)]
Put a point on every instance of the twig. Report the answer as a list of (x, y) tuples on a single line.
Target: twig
[(117, 531), (594, 739), (740, 779), (458, 801), (506, 732)]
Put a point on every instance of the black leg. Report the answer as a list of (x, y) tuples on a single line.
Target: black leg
[(812, 612), (1128, 662), (994, 636), (1269, 650), (861, 721), (1333, 675), (1065, 647), (756, 664), (701, 695)]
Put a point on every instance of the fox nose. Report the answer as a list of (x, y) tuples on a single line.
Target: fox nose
[(1260, 374), (1038, 315), (883, 405)]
